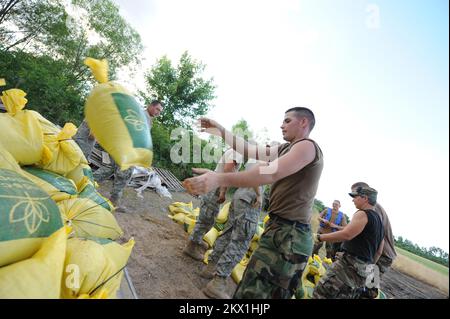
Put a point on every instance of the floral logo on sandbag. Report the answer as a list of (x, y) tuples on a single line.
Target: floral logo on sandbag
[(30, 211), (133, 119)]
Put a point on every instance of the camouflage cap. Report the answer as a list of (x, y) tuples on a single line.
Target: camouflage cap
[(370, 192)]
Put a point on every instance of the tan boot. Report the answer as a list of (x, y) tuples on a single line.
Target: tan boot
[(217, 288), (194, 250), (208, 271)]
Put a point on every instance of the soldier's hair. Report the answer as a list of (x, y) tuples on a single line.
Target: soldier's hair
[(359, 184), (304, 112), (155, 102), (337, 200)]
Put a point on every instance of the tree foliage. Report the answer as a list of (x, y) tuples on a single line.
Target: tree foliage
[(186, 95), (43, 44), (435, 254)]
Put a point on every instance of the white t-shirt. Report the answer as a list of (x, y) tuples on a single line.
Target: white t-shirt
[(229, 156)]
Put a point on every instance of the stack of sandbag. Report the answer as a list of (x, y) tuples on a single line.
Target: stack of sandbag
[(184, 214), (32, 238), (47, 195), (94, 268)]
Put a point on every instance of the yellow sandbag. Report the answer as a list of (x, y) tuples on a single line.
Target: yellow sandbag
[(51, 130), (253, 245), (88, 191), (189, 224), (38, 277), (21, 134), (238, 270), (27, 217), (80, 175), (222, 217), (57, 186), (178, 218), (61, 154), (266, 219), (7, 161), (2, 82), (180, 207), (94, 268), (118, 121), (211, 236), (89, 219), (258, 233), (205, 258)]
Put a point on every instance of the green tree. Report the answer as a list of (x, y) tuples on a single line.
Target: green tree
[(241, 128), (50, 87), (45, 32), (186, 95), (319, 205)]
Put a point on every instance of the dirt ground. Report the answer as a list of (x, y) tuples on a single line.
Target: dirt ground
[(159, 269)]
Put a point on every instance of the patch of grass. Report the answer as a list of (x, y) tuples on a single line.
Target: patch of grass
[(426, 262), (421, 271)]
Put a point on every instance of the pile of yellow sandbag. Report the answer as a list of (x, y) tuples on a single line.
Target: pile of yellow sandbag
[(184, 214), (56, 230)]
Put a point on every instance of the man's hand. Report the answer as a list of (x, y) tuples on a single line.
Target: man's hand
[(210, 126), (207, 181), (326, 222)]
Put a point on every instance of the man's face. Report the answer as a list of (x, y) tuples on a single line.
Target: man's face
[(336, 205), (359, 201), (290, 126), (154, 110)]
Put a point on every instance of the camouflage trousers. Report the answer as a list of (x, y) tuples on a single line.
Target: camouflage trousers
[(209, 209), (384, 263), (276, 266), (121, 178), (343, 279), (232, 245), (86, 142)]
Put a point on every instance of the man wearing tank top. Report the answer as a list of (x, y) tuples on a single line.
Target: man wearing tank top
[(294, 169), (362, 245), (388, 254)]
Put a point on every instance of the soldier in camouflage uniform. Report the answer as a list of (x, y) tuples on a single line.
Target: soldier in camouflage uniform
[(362, 246), (231, 246), (294, 171), (86, 142), (209, 207)]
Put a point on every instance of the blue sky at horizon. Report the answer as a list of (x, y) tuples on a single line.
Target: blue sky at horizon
[(380, 94)]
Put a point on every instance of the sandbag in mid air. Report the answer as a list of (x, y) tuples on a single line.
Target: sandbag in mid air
[(117, 120)]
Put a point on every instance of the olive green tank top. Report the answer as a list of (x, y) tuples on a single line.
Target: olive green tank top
[(292, 197)]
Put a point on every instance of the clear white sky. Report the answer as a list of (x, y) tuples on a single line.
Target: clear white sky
[(375, 73)]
